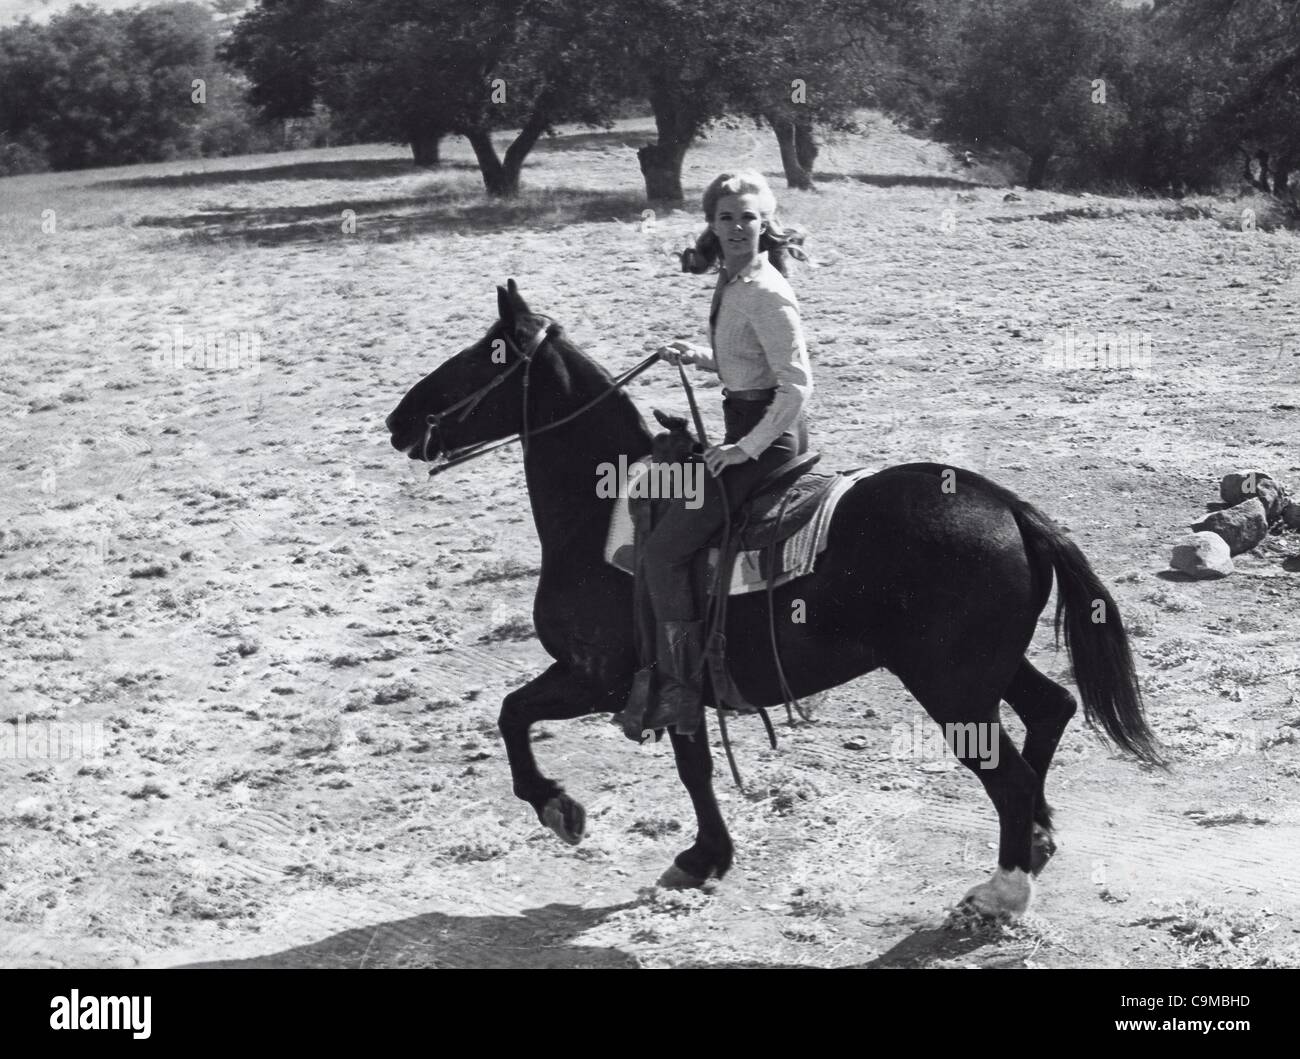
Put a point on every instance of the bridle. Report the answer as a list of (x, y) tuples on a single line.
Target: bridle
[(525, 355)]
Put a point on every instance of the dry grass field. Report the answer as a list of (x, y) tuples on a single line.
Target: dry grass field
[(295, 644)]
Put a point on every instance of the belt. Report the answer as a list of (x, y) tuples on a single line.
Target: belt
[(749, 395)]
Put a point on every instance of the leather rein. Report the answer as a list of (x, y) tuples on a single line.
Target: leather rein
[(525, 355)]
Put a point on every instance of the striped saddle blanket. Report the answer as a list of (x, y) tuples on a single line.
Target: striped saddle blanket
[(804, 531)]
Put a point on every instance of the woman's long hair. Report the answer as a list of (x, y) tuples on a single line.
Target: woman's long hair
[(781, 243)]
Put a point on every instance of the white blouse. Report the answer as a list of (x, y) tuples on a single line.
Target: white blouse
[(758, 343)]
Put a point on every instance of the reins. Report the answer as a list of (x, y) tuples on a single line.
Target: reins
[(717, 638), (471, 401)]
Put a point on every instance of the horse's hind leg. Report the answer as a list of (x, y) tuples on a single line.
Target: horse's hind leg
[(1046, 708), (974, 734), (1010, 783), (712, 851)]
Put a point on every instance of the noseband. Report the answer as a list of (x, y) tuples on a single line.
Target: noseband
[(468, 403)]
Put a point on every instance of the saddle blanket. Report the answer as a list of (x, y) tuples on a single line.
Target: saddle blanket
[(797, 554)]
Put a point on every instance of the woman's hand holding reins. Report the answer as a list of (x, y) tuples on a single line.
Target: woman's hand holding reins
[(720, 457), (683, 353)]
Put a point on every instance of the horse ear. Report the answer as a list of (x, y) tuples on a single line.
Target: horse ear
[(505, 308), (674, 423), (521, 307)]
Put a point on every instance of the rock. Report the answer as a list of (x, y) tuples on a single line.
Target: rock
[(1242, 526), (1242, 485), (1202, 555), (1011, 196), (1291, 515), (1273, 497)]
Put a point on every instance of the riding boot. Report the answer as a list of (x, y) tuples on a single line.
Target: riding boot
[(631, 718), (681, 657)]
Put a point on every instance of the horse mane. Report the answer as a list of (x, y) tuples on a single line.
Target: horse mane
[(591, 378)]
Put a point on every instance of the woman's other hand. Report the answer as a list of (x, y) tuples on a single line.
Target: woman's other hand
[(720, 457), (683, 353)]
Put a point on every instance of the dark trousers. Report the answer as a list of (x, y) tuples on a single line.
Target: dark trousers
[(681, 531)]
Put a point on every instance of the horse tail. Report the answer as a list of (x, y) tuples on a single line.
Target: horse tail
[(1095, 639), (1087, 615)]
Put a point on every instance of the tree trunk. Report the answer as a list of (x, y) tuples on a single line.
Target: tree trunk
[(661, 166), (501, 177), (805, 145), (676, 125), (796, 176), (1037, 169), (1282, 177), (426, 149), (524, 143), (494, 180)]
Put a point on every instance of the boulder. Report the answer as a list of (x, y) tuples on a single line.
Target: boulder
[(1291, 515), (1202, 555), (1273, 497), (1240, 486), (1242, 526)]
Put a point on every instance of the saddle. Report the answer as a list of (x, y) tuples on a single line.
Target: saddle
[(791, 508), (773, 535)]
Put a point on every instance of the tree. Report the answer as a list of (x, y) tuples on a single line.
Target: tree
[(693, 63), (1251, 52), (832, 57), (1036, 75), (105, 88), (417, 70), (806, 71)]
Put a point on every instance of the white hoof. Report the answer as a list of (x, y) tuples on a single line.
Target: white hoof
[(1007, 893)]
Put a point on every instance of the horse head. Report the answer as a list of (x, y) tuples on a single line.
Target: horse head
[(476, 395)]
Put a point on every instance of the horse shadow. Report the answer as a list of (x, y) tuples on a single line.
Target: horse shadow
[(941, 946), (539, 937), (434, 211), (925, 947)]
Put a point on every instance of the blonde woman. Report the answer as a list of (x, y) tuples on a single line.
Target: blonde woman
[(758, 351)]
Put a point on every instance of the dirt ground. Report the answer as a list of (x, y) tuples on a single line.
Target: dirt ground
[(296, 644)]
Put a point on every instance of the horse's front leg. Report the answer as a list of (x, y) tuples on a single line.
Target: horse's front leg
[(711, 854), (556, 695)]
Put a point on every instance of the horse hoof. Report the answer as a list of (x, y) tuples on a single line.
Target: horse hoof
[(566, 818), (1006, 895), (677, 879), (1043, 849)]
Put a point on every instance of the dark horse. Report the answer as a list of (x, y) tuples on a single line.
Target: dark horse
[(933, 573)]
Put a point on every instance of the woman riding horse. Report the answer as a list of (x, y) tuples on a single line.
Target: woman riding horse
[(760, 356)]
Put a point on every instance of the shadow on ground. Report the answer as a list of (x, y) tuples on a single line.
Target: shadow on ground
[(904, 180), (438, 210), (940, 946), (343, 169), (924, 947), (540, 937), (613, 139)]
